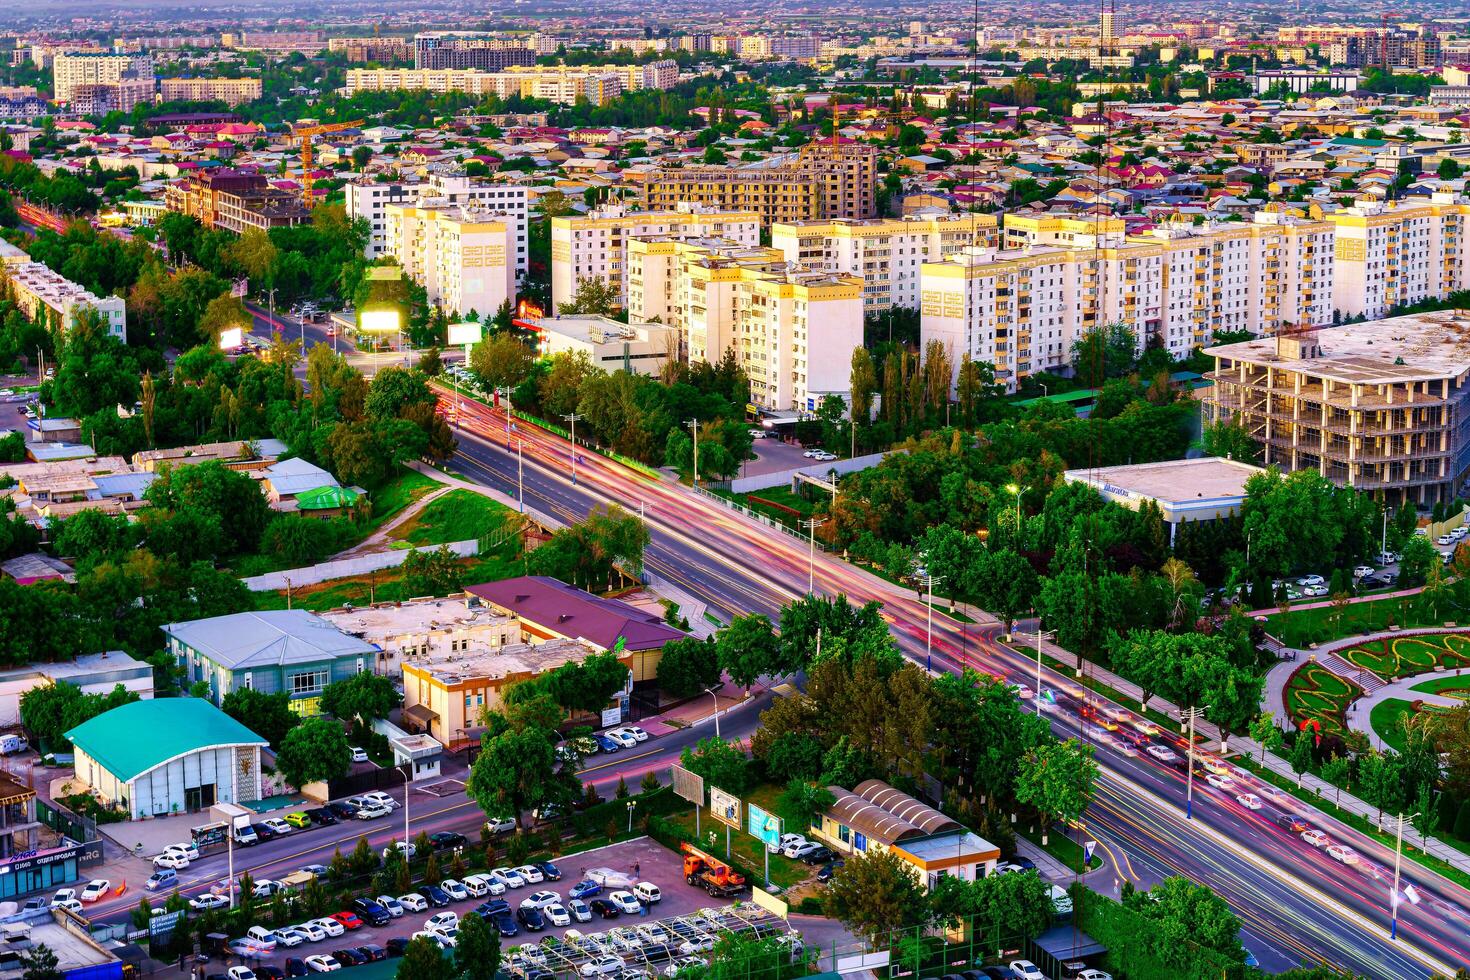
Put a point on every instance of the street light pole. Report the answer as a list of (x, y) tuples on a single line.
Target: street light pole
[(505, 392), (711, 692), (811, 557), (520, 478), (572, 418), (929, 630), (694, 427), (1040, 635), (1189, 763), (1398, 854), (404, 772)]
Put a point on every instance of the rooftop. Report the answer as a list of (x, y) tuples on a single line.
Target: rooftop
[(80, 670), (272, 638), (1172, 481), (562, 609), (388, 619), (513, 660), (135, 738), (1399, 350)]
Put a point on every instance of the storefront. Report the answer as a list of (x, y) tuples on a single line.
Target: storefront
[(47, 870)]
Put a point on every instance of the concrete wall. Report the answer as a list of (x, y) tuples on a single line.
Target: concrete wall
[(816, 471), (161, 790), (346, 567)]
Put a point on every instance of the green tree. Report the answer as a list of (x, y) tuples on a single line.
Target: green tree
[(1265, 731), (314, 750), (477, 950), (424, 960), (747, 648), (875, 893), (1057, 780), (802, 804), (688, 667), (1188, 916), (1301, 755), (721, 763), (267, 715), (431, 571), (501, 361), (40, 963), (1229, 439), (594, 296), (1416, 560), (515, 771), (224, 312), (362, 698)]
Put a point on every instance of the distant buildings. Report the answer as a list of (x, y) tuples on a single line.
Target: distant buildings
[(100, 98), (369, 200), (562, 84), (72, 69), (232, 91), (1382, 406), (595, 245), (821, 182), (792, 331), (234, 200), (469, 49), (460, 254), (383, 49)]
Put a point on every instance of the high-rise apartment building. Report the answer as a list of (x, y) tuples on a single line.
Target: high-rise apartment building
[(100, 98), (1383, 406), (232, 91), (384, 49), (820, 182), (595, 245), (470, 49), (792, 331), (1388, 255), (1022, 307), (460, 255), (560, 84), (886, 253), (70, 69), (369, 200)]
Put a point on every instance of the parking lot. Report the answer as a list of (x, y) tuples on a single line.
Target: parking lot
[(774, 456), (684, 911)]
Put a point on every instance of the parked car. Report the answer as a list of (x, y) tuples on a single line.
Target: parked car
[(372, 812), (322, 963), (435, 895), (625, 902), (188, 850), (445, 841), (359, 754), (93, 890), (580, 911), (603, 908), (320, 815), (500, 826), (383, 799), (371, 912), (454, 889), (647, 893), (300, 820), (391, 905), (531, 919), (277, 826), (348, 920), (548, 870), (413, 902)]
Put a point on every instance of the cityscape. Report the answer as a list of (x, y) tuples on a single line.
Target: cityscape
[(909, 492)]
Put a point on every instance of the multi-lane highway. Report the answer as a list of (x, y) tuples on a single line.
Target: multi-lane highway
[(1296, 901)]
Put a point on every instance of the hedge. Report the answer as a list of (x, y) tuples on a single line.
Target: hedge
[(1128, 938)]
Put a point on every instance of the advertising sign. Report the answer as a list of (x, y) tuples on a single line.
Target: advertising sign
[(464, 333), (378, 321), (688, 785), (725, 807), (763, 826), (231, 339)]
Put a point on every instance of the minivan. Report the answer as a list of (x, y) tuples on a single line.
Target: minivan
[(245, 835)]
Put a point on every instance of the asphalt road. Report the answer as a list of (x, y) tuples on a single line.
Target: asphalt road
[(1297, 903)]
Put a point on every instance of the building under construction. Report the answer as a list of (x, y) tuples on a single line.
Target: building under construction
[(1380, 406)]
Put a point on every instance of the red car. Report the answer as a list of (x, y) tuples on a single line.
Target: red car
[(348, 920)]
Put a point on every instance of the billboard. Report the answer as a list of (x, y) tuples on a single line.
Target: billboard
[(725, 807), (231, 339), (465, 333), (378, 321), (688, 785), (763, 826)]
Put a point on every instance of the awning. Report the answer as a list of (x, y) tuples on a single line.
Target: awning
[(421, 715)]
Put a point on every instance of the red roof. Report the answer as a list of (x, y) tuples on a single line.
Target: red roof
[(560, 608)]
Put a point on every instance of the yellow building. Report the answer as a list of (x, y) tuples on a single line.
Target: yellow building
[(821, 182), (232, 91), (457, 253), (1389, 255)]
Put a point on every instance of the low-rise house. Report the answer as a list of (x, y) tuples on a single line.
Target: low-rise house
[(94, 673)]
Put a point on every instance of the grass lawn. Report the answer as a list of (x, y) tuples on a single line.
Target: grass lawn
[(1061, 847), (459, 515), (1385, 720), (745, 848), (1299, 627), (1452, 686), (397, 494)]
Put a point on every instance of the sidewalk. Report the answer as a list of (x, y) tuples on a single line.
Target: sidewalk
[(1273, 691), (1049, 867), (1361, 710), (1246, 746)]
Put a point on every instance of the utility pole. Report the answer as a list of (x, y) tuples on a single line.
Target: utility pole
[(929, 630), (1040, 635), (1398, 855), (811, 566), (1193, 713), (572, 418), (505, 393), (694, 427), (520, 478)]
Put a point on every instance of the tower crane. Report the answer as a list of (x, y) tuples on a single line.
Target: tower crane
[(305, 133)]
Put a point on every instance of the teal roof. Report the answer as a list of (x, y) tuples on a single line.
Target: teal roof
[(1064, 398), (130, 740)]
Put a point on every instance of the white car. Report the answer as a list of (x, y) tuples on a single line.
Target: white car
[(358, 754), (622, 737), (1161, 752), (240, 973), (647, 893), (624, 902), (277, 825), (205, 902), (288, 936), (1218, 781), (480, 885), (540, 900), (70, 904), (266, 887), (1250, 801), (700, 942), (638, 734), (1343, 853), (500, 826), (824, 457), (797, 853), (789, 840), (456, 890), (322, 963), (557, 915), (1091, 974), (530, 874), (580, 910), (1315, 837), (413, 902), (1026, 970), (95, 889), (811, 453), (508, 878), (602, 966), (652, 932), (382, 799), (404, 847), (391, 905), (1311, 580), (261, 937), (172, 860), (440, 921), (312, 932), (372, 812), (187, 850), (1314, 591), (1362, 570), (331, 927)]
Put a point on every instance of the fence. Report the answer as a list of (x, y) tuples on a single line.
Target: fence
[(346, 567), (82, 829), (817, 473), (770, 522), (362, 782)]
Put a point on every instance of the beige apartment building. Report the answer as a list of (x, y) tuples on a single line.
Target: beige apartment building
[(888, 254), (563, 84), (595, 245), (462, 256), (39, 291), (1380, 405), (820, 182), (72, 69), (1021, 307), (1389, 255), (232, 91), (793, 331)]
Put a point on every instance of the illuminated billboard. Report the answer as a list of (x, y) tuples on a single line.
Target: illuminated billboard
[(231, 339), (464, 333), (378, 321)]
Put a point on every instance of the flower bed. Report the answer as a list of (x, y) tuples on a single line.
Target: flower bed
[(1404, 656), (1315, 693)]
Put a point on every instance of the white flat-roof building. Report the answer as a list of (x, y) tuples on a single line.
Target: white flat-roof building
[(369, 200), (36, 289), (1185, 490), (462, 255), (639, 348), (94, 673)]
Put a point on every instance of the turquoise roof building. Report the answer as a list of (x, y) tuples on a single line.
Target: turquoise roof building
[(168, 755)]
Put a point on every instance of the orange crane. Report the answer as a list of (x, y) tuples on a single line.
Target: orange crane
[(305, 133)]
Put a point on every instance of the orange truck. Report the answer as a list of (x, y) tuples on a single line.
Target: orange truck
[(706, 871)]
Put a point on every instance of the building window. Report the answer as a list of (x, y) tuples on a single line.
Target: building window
[(309, 681), (859, 842)]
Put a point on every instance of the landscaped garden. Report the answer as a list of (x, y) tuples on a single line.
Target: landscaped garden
[(1315, 693), (1326, 623), (1404, 656)]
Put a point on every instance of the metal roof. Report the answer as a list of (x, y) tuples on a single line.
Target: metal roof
[(278, 637), (905, 807), (870, 818), (135, 738)]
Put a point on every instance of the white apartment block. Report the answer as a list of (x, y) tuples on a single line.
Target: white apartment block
[(459, 254), (562, 84), (369, 200), (40, 292), (71, 69), (595, 245), (1021, 308), (886, 253), (231, 91), (1389, 255), (792, 331)]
